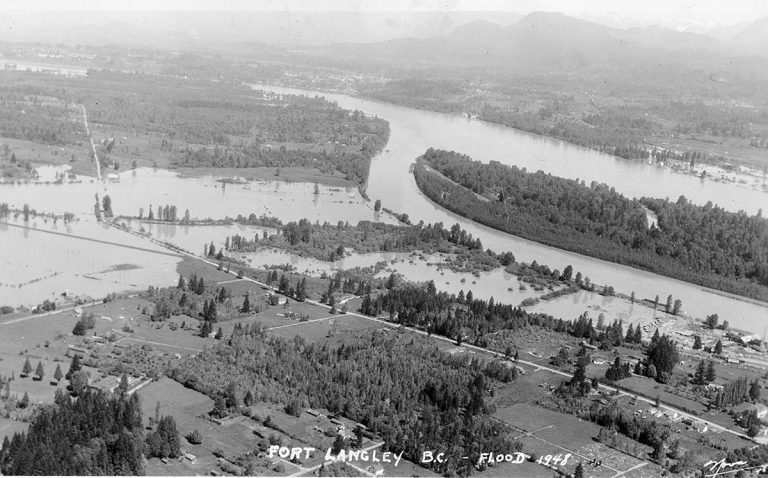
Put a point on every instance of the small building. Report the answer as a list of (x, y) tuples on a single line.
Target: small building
[(747, 407), (376, 469), (313, 412), (189, 456), (79, 350), (700, 427), (113, 178), (587, 345)]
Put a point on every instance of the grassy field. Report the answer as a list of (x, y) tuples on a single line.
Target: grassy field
[(189, 408), (9, 427), (333, 329), (544, 432)]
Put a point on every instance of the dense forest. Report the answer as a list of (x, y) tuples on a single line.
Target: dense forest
[(472, 320), (94, 434), (191, 122), (33, 114), (424, 399), (328, 242), (701, 244)]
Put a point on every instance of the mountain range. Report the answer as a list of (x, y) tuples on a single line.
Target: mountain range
[(543, 41)]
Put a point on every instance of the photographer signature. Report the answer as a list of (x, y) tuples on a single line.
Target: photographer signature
[(721, 467)]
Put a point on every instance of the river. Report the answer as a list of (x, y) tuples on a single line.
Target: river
[(412, 131)]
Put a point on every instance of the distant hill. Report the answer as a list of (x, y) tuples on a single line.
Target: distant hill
[(753, 37), (544, 41)]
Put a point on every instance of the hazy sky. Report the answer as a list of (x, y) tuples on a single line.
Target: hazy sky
[(663, 11)]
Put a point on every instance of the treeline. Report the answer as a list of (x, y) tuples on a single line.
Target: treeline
[(31, 113), (466, 318), (702, 244), (328, 242), (93, 435), (354, 164), (424, 399)]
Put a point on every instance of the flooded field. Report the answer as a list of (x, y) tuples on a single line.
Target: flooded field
[(205, 197), (39, 265)]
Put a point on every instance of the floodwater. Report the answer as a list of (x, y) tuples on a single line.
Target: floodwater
[(37, 265), (413, 131)]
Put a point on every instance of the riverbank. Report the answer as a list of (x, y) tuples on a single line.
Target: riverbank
[(530, 215), (267, 174)]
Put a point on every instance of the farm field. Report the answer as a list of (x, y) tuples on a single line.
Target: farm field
[(544, 432)]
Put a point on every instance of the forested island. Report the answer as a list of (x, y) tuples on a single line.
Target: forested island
[(162, 121), (705, 245)]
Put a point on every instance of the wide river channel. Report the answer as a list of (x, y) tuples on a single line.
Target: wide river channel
[(35, 264), (412, 131)]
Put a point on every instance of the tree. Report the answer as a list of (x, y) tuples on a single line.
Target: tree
[(338, 445), (39, 372), (668, 307), (754, 390), (677, 307), (710, 376), (652, 372), (164, 442), (219, 334), (24, 402), (194, 437), (663, 354), (27, 368), (123, 385), (718, 348), (700, 375), (579, 473), (206, 328), (73, 367), (79, 328), (711, 321), (377, 205), (567, 272), (219, 407), (58, 374), (107, 206), (696, 342), (79, 382), (246, 305)]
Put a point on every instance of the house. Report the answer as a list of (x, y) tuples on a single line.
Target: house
[(762, 410), (700, 427), (189, 456), (376, 469), (113, 178), (313, 412)]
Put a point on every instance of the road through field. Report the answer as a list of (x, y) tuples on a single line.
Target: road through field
[(648, 400)]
